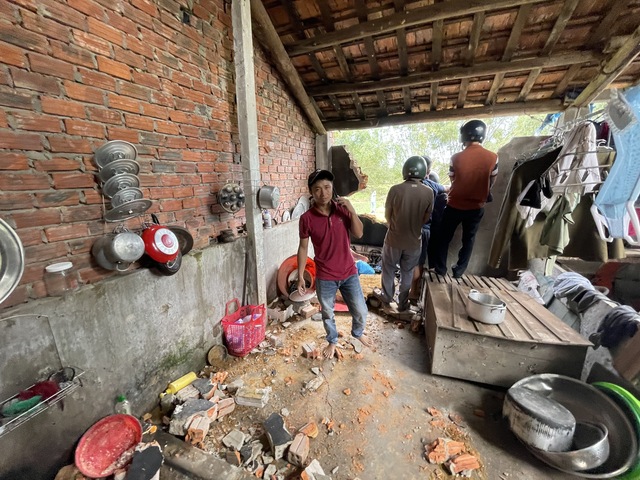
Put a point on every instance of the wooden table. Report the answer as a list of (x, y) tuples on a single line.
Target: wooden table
[(531, 339)]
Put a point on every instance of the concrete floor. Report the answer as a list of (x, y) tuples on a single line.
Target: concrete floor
[(381, 427)]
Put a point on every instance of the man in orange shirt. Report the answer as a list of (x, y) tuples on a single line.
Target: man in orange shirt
[(472, 173)]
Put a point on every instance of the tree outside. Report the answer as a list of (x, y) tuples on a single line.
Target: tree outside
[(381, 152)]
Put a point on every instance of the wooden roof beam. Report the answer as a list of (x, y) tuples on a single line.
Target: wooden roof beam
[(528, 85), (436, 44), (611, 68), (457, 73), (561, 22), (266, 34), (404, 19), (519, 108), (601, 31)]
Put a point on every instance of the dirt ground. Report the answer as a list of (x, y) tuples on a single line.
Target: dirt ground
[(376, 410)]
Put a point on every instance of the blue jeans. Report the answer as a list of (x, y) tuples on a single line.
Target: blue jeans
[(352, 293)]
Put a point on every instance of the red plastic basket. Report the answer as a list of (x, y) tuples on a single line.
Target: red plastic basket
[(243, 329)]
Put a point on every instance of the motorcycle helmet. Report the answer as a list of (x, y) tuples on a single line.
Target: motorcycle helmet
[(473, 131), (414, 167)]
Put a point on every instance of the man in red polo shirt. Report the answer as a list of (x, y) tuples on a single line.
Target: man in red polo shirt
[(472, 173), (329, 223)]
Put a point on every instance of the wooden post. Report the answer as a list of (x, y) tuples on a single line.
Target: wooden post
[(248, 126)]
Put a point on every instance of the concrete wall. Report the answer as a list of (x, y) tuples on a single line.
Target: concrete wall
[(132, 334)]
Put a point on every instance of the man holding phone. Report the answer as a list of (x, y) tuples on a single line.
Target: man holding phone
[(329, 223)]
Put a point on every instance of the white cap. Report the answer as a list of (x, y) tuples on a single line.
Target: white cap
[(58, 267)]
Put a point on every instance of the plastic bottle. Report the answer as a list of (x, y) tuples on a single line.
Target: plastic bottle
[(123, 405), (180, 383), (266, 219)]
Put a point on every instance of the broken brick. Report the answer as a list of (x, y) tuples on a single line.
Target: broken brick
[(308, 311), (205, 387), (308, 349), (299, 450), (219, 377), (462, 463), (310, 429), (347, 391), (198, 429), (187, 393), (233, 457), (434, 412), (277, 434), (225, 406), (442, 449)]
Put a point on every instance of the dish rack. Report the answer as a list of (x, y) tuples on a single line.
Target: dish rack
[(7, 424)]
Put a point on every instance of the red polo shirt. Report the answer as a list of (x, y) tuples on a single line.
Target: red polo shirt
[(330, 236)]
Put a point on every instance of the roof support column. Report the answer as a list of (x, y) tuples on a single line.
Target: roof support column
[(256, 291)]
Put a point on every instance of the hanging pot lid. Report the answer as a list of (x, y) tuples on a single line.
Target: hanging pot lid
[(127, 210), (122, 165), (115, 150), (185, 239), (11, 260), (268, 197), (119, 182), (231, 197), (125, 195)]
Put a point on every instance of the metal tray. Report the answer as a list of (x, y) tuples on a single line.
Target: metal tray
[(11, 260)]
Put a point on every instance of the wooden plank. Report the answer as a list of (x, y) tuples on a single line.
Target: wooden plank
[(493, 91), (516, 32), (404, 19), (406, 95), (528, 85), (564, 83), (602, 30), (523, 318), (564, 333), (474, 38), (456, 73), (436, 44), (561, 22), (462, 93), (457, 311), (433, 97), (506, 284), (440, 298)]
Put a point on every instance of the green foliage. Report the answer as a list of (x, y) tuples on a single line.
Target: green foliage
[(381, 152)]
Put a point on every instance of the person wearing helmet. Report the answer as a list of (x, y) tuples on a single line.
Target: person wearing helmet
[(472, 173), (407, 208)]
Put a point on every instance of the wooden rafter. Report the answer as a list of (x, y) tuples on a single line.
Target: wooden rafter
[(559, 26), (528, 85), (436, 44), (615, 64), (462, 92), (474, 38), (602, 31), (401, 35), (458, 73), (433, 98), (564, 83), (404, 19), (268, 37), (540, 106)]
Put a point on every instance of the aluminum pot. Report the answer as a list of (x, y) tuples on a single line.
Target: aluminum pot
[(124, 247), (486, 308)]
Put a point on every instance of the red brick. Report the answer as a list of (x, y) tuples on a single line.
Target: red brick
[(104, 115), (162, 98), (66, 232), (189, 130), (37, 218), (49, 28), (146, 79), (57, 164), (170, 205), (132, 90), (138, 122), (16, 99), (46, 252), (36, 122), (72, 54), (137, 46), (62, 107), (88, 7), (115, 133), (14, 161), (155, 111), (80, 245), (5, 78), (197, 143), (35, 81), (157, 193), (61, 13), (81, 213), (15, 201), (51, 66), (167, 127), (123, 103), (18, 296), (146, 6), (84, 128), (64, 144), (182, 192), (105, 31), (17, 36), (12, 55), (78, 91), (186, 105), (96, 79), (92, 42), (20, 141), (117, 69), (121, 23), (73, 180), (184, 167), (175, 142), (130, 58), (57, 198), (3, 119)]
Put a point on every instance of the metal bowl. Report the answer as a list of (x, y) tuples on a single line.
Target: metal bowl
[(11, 260), (588, 404), (591, 442)]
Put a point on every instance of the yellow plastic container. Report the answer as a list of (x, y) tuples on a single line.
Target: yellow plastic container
[(180, 383)]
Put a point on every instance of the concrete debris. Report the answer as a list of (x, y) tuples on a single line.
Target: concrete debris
[(308, 350), (167, 404), (284, 412), (315, 370), (187, 393), (280, 316), (252, 396), (286, 324), (347, 391), (269, 471), (183, 414), (234, 439), (314, 471), (266, 459), (205, 387), (233, 457), (233, 387), (275, 341), (225, 406), (279, 437), (313, 384), (316, 317)]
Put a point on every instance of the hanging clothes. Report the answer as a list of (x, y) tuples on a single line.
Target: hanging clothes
[(555, 232)]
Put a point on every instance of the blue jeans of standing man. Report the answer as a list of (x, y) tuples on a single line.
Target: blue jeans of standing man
[(451, 219), (352, 294)]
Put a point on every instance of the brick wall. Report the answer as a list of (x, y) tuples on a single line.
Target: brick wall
[(77, 73)]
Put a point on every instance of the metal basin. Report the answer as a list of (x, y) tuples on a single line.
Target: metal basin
[(591, 442), (589, 405)]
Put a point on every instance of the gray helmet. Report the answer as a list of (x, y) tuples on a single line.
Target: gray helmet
[(414, 167), (473, 131)]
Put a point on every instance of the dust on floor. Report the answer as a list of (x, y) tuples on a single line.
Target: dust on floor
[(376, 410)]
